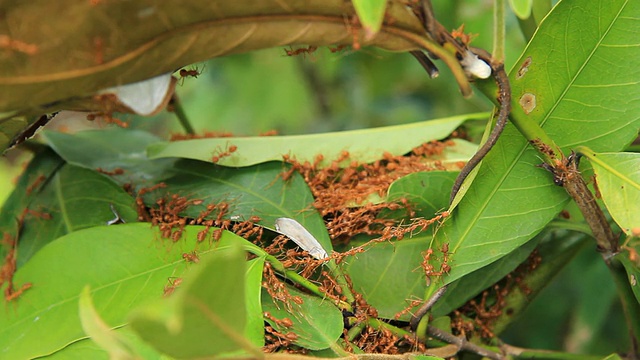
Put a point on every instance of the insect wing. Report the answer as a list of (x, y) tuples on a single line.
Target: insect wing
[(301, 236)]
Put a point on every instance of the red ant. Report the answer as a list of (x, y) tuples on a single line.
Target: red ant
[(223, 154), (191, 257), (11, 295), (307, 50), (190, 72), (173, 284)]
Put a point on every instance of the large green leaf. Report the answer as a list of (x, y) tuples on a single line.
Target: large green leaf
[(258, 190), (364, 146), (581, 91), (125, 265)]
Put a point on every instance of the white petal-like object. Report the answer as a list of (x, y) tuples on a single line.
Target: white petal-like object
[(301, 236), (145, 97), (475, 66)]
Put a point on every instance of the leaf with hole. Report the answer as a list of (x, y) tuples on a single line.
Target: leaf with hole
[(251, 191), (72, 199)]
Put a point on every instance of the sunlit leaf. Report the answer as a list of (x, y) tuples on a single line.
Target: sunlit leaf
[(371, 15), (254, 330), (99, 331), (88, 349), (365, 145), (618, 179), (522, 8)]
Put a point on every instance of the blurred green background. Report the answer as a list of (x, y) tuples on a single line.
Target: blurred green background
[(249, 94)]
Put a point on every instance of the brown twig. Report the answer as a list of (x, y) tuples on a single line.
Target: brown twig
[(426, 63), (566, 174), (504, 99), (462, 343), (422, 311)]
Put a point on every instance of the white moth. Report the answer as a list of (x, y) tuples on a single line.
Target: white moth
[(301, 236), (474, 66)]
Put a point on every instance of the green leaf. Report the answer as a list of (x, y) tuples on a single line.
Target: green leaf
[(88, 349), (257, 190), (211, 300), (42, 167), (511, 199), (371, 15), (618, 179), (130, 263), (99, 331), (632, 268), (317, 322), (522, 8), (613, 356), (110, 149), (365, 145), (389, 275), (74, 198), (428, 192), (10, 126), (466, 288), (254, 330)]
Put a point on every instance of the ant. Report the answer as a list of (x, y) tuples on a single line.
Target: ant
[(307, 50), (185, 73), (190, 72), (191, 257), (173, 284), (225, 153)]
